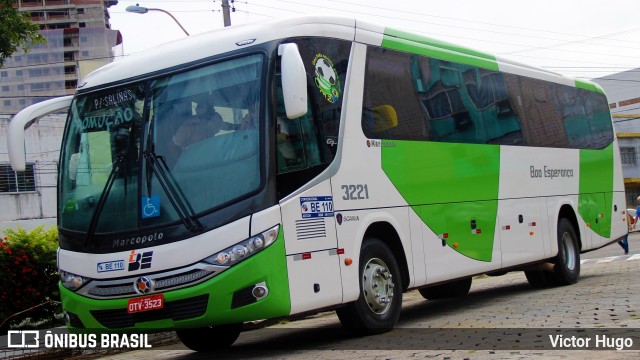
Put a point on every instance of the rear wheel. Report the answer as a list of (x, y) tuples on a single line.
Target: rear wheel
[(453, 289), (537, 279), (566, 269), (567, 264), (378, 307), (211, 338)]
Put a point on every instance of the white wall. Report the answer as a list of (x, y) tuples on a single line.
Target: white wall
[(42, 143)]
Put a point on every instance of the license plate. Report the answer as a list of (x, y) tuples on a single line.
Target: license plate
[(151, 302), (316, 206)]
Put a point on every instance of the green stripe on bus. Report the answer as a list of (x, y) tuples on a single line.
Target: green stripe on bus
[(586, 85), (397, 40), (450, 186), (594, 202)]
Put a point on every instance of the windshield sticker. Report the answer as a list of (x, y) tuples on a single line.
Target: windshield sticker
[(106, 121), (316, 206), (113, 99), (116, 265), (326, 78), (150, 206)]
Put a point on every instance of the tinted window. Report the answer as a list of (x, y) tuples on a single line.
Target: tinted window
[(411, 97)]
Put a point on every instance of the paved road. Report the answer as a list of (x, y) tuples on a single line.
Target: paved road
[(497, 310)]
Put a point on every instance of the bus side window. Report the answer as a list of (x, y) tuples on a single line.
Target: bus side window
[(289, 145), (297, 142)]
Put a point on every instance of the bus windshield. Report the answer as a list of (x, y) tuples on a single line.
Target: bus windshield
[(163, 150)]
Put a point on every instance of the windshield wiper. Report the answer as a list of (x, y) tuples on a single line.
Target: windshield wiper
[(120, 161), (178, 200)]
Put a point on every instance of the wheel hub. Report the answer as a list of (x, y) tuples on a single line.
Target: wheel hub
[(377, 286), (569, 255)]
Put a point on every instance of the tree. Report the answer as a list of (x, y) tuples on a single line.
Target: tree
[(16, 31)]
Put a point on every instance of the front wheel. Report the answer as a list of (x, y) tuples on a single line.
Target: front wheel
[(211, 338), (378, 307)]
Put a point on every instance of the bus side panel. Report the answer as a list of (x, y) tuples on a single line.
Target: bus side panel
[(314, 282), (443, 260), (453, 190), (523, 225), (527, 174), (310, 242), (619, 216), (596, 180), (619, 226), (554, 204), (351, 228)]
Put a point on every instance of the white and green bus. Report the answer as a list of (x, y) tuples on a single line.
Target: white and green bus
[(352, 163)]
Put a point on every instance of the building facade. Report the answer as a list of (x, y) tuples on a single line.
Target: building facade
[(623, 92), (79, 40)]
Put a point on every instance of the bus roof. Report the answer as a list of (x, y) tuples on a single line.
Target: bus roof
[(201, 46)]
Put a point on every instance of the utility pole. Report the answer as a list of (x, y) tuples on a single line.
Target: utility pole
[(225, 13)]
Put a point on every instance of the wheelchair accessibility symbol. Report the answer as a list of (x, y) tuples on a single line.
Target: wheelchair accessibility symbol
[(150, 206)]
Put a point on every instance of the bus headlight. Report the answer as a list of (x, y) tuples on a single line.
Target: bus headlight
[(72, 281), (244, 249)]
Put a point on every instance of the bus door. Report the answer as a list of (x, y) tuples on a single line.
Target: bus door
[(307, 211), (305, 146), (311, 245)]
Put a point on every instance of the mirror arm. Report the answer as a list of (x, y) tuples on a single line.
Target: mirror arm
[(24, 119)]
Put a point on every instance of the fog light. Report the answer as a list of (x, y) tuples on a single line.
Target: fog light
[(260, 291)]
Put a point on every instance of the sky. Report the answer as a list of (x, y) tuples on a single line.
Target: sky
[(579, 38)]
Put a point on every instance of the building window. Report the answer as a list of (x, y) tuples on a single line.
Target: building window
[(18, 72), (7, 103), (628, 155), (4, 74), (5, 88), (12, 181), (85, 53)]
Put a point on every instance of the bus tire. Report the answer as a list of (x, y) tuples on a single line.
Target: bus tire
[(210, 338), (378, 307), (537, 279), (567, 263), (452, 289)]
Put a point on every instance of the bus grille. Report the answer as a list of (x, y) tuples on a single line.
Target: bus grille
[(164, 281), (174, 310)]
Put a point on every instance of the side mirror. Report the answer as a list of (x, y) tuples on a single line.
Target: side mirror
[(294, 80), (22, 120)]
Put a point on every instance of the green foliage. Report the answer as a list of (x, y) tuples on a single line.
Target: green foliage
[(16, 31), (29, 275)]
